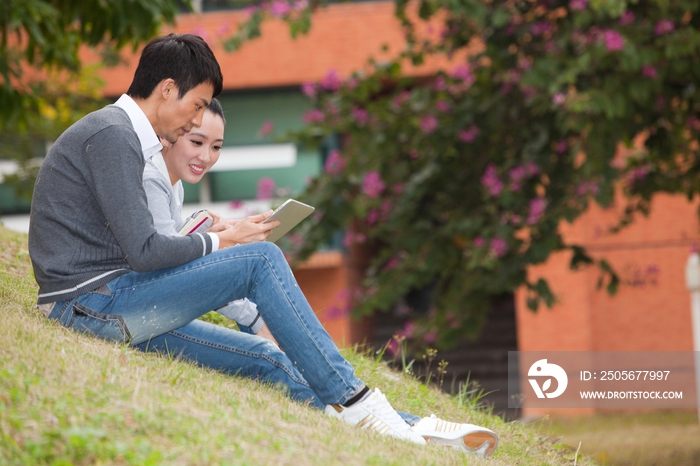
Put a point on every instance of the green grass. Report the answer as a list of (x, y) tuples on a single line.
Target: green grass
[(66, 398), (657, 438)]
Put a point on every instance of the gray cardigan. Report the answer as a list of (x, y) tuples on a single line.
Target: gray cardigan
[(89, 220)]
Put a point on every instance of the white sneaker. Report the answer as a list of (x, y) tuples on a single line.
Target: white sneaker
[(376, 414), (466, 437)]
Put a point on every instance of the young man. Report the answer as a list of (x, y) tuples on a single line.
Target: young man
[(103, 269)]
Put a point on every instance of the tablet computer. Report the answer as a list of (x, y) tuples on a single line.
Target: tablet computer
[(289, 215)]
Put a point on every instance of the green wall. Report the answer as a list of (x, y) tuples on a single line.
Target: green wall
[(245, 115)]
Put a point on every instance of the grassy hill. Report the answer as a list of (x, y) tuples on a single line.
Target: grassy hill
[(67, 399)]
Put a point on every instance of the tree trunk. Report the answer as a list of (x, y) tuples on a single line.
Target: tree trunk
[(357, 260)]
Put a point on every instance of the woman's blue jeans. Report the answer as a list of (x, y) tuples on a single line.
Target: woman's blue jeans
[(157, 311)]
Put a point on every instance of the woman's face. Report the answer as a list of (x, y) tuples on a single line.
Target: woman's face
[(197, 151)]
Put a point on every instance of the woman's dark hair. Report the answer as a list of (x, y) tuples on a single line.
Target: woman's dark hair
[(185, 58), (216, 108)]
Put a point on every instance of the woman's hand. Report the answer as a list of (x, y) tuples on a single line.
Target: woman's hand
[(219, 224), (247, 230)]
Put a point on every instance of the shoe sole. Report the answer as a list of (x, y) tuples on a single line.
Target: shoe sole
[(470, 443), (476, 440)]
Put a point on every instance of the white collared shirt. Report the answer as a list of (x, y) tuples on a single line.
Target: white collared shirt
[(150, 144)]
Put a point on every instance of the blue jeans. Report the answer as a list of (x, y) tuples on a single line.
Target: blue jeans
[(157, 311)]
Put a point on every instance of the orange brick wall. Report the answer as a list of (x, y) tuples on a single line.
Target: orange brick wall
[(342, 37), (651, 310), (323, 279)]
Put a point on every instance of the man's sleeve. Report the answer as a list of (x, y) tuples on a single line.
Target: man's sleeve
[(116, 165)]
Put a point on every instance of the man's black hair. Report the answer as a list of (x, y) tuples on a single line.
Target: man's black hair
[(186, 58)]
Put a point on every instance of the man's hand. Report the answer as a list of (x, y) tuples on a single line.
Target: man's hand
[(248, 230)]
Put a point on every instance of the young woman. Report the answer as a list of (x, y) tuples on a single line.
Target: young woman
[(189, 159)]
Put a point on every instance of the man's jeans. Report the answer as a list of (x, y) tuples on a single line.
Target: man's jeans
[(156, 311)]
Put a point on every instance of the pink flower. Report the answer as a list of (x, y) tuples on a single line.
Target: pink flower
[(649, 71), (578, 5), (408, 329), (332, 108), (558, 98), (587, 187), (392, 263), (499, 246), (613, 40), (561, 146), (664, 26), (280, 8), (251, 9), (479, 242), (266, 188), (540, 28), (511, 218), (353, 238), (223, 29), (469, 134), (400, 99), (627, 18), (531, 168), (439, 84), (372, 185), (491, 181), (331, 81), (525, 63), (300, 5), (693, 122), (537, 208), (201, 32), (360, 115), (638, 173), (372, 217), (464, 73), (335, 164), (442, 106), (430, 338), (313, 116), (428, 124), (266, 128), (309, 89), (517, 175), (393, 347)]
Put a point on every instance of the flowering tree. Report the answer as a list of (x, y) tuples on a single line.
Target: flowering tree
[(45, 35), (457, 181), (44, 87)]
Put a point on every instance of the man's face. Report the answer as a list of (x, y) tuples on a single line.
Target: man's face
[(177, 116)]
